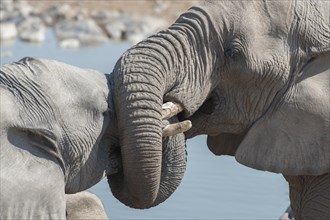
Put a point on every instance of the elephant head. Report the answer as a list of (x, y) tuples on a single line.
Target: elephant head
[(53, 117), (57, 112), (241, 70), (271, 103)]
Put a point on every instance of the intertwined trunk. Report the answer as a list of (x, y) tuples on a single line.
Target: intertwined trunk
[(173, 65), (138, 101)]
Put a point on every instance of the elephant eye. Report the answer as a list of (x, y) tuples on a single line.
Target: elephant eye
[(231, 53)]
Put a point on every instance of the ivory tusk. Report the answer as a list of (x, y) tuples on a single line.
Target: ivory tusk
[(169, 109), (176, 128)]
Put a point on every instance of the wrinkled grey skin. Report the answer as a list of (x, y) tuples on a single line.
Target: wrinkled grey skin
[(171, 169), (84, 205), (52, 118), (56, 138), (252, 75)]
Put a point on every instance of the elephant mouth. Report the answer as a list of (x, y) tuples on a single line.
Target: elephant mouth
[(169, 110)]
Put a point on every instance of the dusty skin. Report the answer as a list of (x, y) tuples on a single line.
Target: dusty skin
[(252, 75), (54, 144)]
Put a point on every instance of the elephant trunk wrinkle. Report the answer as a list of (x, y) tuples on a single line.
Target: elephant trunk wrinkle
[(139, 184), (140, 140), (151, 73), (195, 42)]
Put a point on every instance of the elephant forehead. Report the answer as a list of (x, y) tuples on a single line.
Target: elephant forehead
[(54, 91), (72, 88), (79, 92), (261, 18)]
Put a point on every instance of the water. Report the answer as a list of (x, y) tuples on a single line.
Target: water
[(212, 188)]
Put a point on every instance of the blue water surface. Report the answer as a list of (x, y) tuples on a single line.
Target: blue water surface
[(213, 187)]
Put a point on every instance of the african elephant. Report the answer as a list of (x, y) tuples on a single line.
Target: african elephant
[(252, 75), (84, 205), (57, 138)]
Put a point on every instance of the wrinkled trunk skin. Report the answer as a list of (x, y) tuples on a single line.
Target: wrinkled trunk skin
[(173, 165), (139, 124), (173, 65), (150, 171), (310, 196)]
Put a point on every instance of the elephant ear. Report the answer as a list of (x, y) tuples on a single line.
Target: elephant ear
[(40, 142), (294, 138)]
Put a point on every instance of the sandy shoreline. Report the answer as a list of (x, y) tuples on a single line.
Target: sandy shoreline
[(88, 22), (165, 9)]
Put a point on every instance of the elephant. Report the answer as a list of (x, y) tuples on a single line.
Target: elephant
[(252, 75), (57, 138), (84, 205)]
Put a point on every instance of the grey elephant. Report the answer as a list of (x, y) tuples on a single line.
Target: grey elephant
[(57, 138), (84, 205), (252, 75)]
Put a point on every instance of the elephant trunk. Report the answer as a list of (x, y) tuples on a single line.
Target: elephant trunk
[(169, 66), (138, 99)]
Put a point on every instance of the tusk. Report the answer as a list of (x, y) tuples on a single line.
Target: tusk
[(176, 128), (169, 109)]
